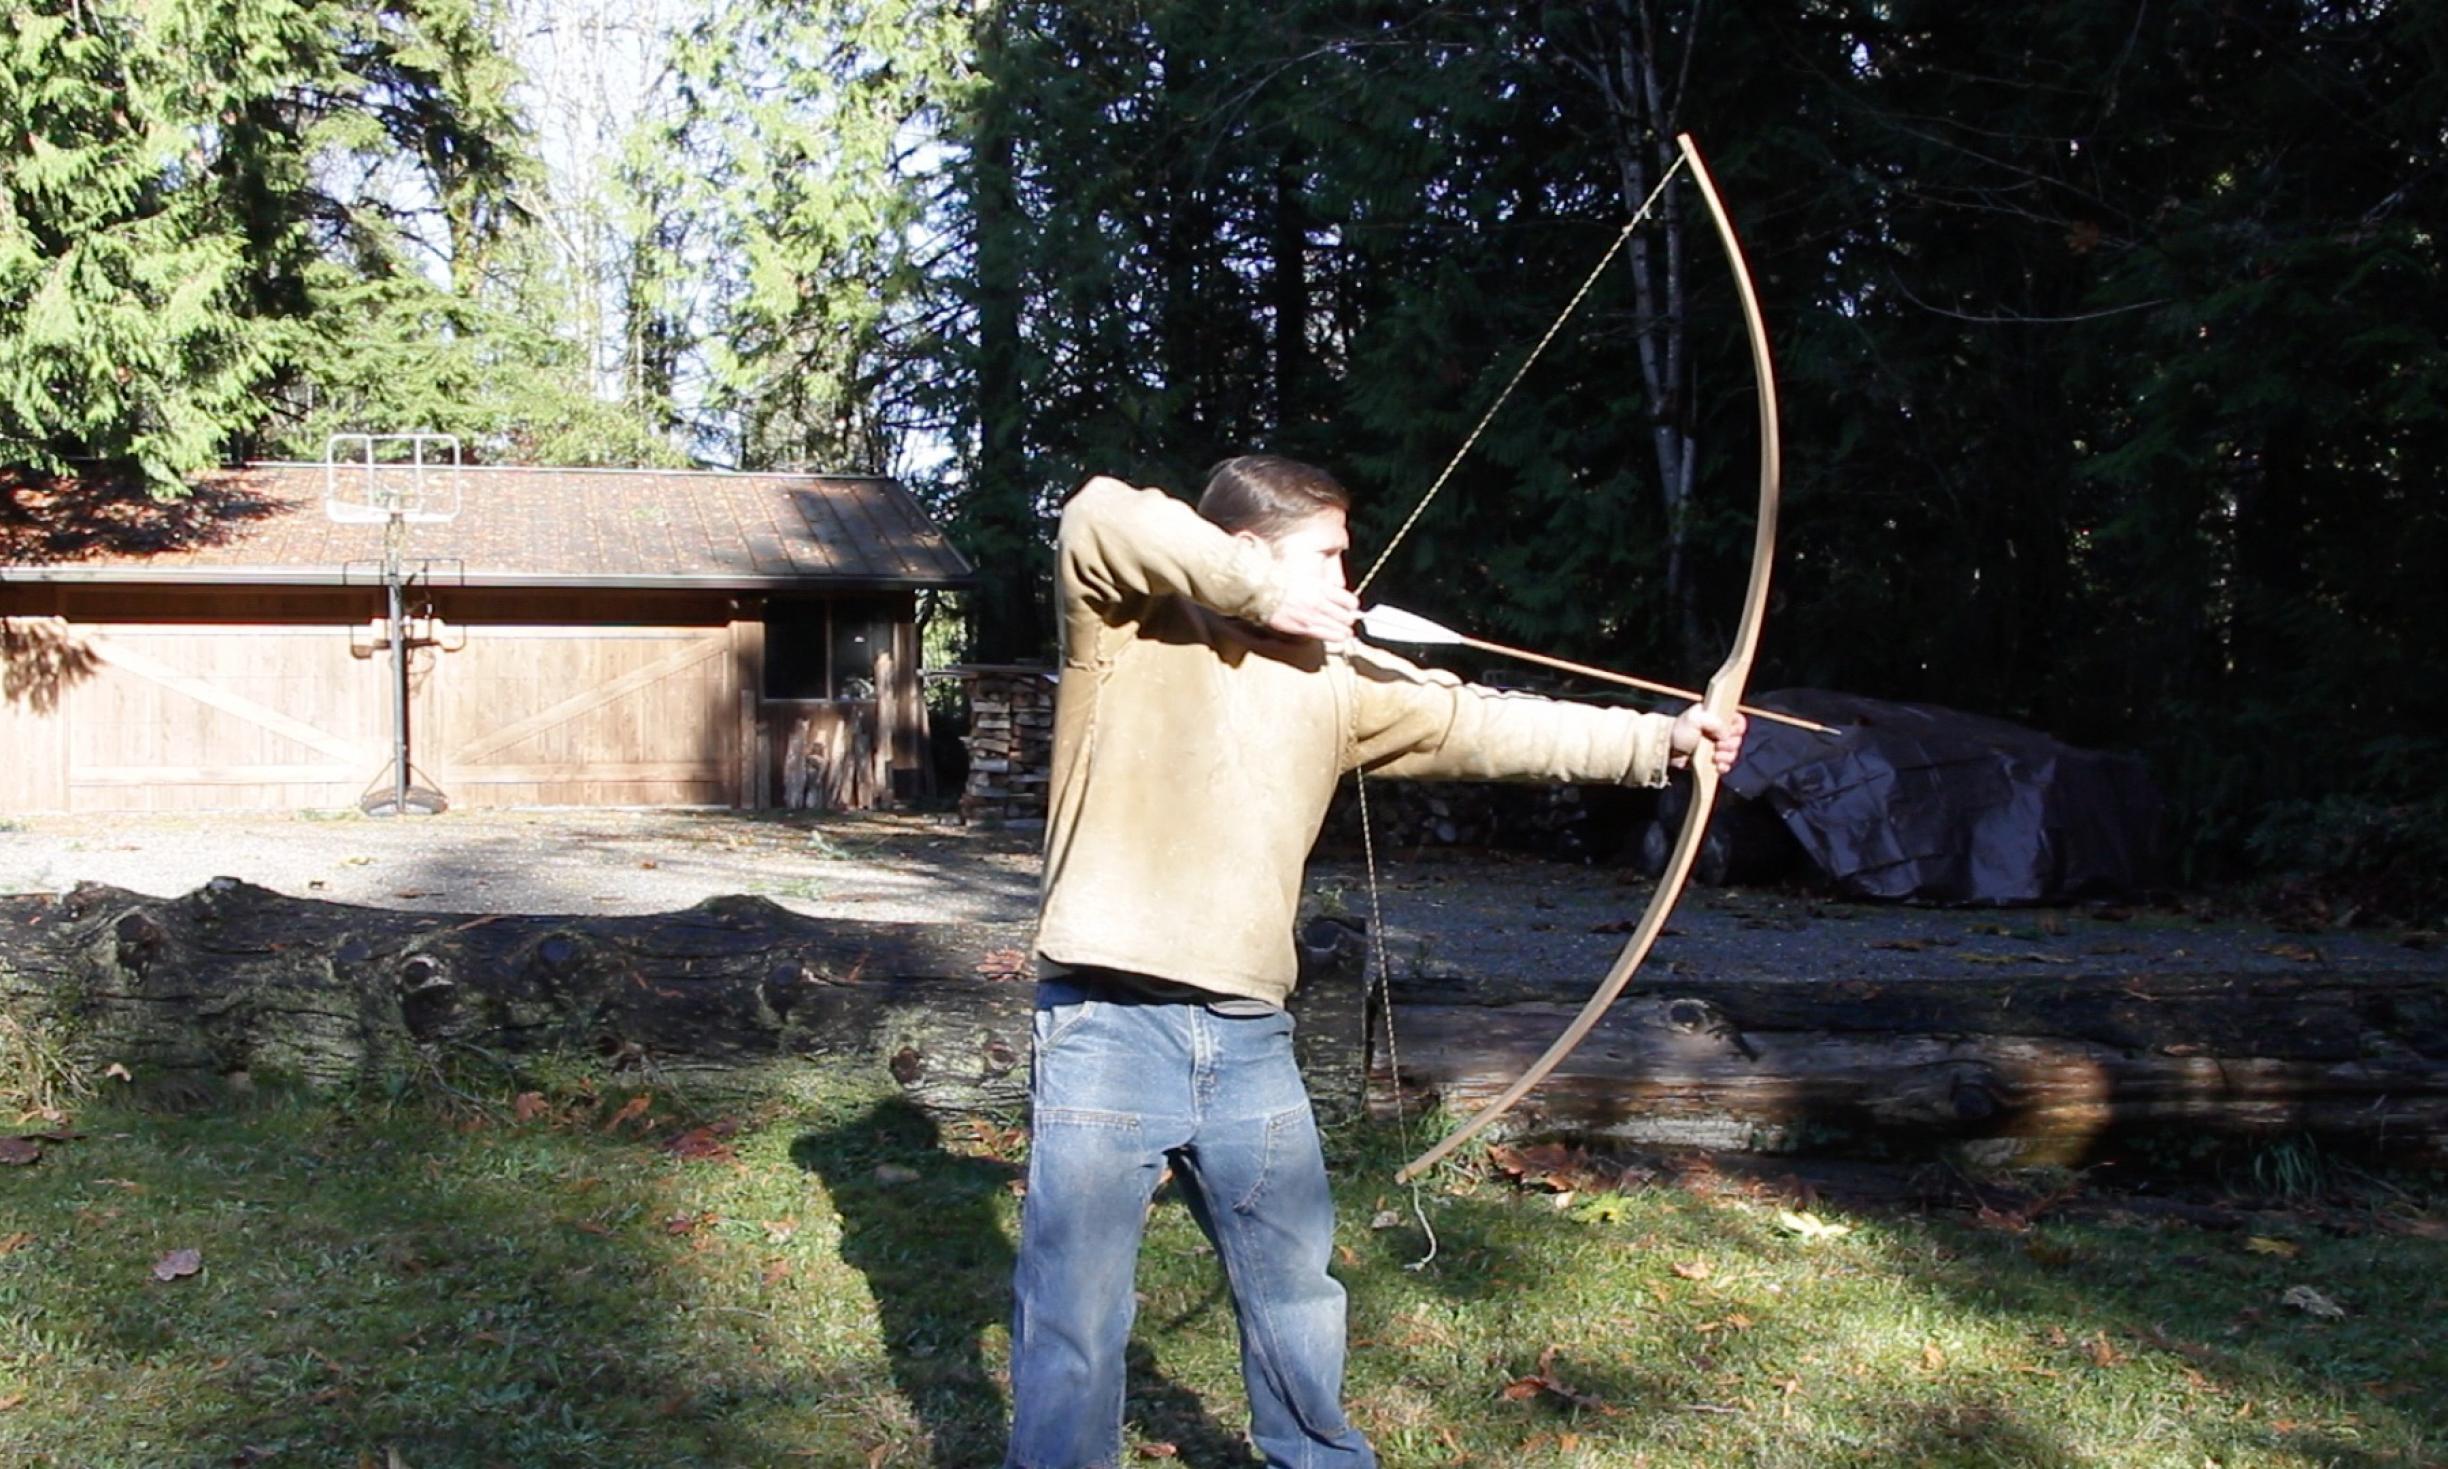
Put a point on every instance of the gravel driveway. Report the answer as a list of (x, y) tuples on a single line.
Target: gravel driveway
[(565, 861), (1460, 913)]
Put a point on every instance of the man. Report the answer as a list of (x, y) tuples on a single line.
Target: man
[(1211, 698)]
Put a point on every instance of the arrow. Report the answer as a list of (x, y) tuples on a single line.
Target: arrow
[(1393, 625)]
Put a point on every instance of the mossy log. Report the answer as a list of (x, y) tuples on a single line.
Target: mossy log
[(735, 994), (738, 994), (2000, 1068)]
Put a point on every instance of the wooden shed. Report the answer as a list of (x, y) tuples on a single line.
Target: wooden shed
[(574, 637)]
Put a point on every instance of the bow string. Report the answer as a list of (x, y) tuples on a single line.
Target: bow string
[(1725, 688)]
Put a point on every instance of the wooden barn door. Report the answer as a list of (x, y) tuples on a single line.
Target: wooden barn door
[(199, 717), (530, 715)]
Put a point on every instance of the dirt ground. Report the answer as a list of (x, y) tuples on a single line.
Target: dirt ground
[(1470, 913)]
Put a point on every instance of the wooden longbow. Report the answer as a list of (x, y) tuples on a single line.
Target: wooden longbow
[(1725, 693)]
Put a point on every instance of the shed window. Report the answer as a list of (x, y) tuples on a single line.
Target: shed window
[(824, 648)]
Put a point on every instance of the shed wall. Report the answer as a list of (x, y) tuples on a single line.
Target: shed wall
[(199, 698)]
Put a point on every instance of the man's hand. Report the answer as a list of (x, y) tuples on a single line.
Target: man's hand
[(1315, 609), (1695, 727)]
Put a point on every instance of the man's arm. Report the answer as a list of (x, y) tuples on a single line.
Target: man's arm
[(1120, 547), (1424, 724)]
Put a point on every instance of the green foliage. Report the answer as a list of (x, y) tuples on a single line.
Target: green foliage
[(124, 330), (800, 172), (240, 224)]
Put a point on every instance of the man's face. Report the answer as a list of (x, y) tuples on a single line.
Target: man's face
[(1313, 550)]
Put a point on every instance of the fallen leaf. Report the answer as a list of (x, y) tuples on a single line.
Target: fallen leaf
[(1385, 1219), (2102, 1351), (1158, 1451), (117, 1072), (779, 1231), (10, 1244), (592, 1226), (1932, 1358), (178, 1264), (700, 1145), (892, 1175), (19, 1151), (630, 1111), (1694, 1270), (528, 1106), (685, 1222), (1811, 1226), (2300, 953), (2261, 1244), (1544, 1380), (12, 1402), (2312, 1303)]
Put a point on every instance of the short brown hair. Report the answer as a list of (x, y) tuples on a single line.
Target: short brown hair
[(1266, 494)]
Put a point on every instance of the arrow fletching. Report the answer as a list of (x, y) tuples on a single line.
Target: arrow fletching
[(1387, 624)]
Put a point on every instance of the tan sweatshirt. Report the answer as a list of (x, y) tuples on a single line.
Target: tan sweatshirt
[(1195, 752)]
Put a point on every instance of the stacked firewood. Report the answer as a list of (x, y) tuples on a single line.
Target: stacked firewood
[(1573, 823), (1011, 744)]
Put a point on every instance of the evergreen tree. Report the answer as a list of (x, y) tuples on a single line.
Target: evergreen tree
[(126, 328)]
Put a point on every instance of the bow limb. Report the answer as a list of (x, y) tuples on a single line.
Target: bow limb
[(1725, 691)]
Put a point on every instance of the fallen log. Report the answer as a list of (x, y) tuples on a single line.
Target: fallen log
[(734, 994), (2002, 1069), (738, 994)]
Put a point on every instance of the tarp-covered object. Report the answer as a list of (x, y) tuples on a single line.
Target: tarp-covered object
[(1918, 801)]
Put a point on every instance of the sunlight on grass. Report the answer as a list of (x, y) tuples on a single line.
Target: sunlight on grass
[(584, 1279)]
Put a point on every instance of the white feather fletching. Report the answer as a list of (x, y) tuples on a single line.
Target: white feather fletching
[(1393, 625)]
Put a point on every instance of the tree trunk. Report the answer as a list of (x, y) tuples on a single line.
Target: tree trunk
[(1000, 507)]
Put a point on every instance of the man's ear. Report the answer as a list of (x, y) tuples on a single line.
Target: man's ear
[(1255, 539)]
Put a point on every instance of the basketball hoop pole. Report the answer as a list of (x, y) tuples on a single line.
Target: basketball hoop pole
[(393, 508)]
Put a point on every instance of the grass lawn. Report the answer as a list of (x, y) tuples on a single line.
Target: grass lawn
[(581, 1277)]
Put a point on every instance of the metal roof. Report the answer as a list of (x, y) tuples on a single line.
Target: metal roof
[(264, 523)]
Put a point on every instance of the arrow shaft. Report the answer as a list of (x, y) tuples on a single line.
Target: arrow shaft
[(1566, 665)]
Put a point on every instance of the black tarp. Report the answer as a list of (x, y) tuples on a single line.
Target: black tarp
[(1923, 802)]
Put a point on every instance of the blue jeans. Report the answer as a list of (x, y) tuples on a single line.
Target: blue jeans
[(1120, 1088)]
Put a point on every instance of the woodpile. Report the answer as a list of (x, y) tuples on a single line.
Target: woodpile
[(1572, 823), (1011, 744)]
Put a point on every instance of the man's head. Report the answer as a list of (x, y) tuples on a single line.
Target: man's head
[(1265, 494), (1295, 510)]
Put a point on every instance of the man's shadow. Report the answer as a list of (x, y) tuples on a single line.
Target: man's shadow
[(921, 1223)]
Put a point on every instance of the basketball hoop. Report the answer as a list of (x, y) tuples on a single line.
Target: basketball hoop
[(386, 478), (394, 481)]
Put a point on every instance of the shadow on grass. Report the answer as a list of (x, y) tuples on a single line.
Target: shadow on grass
[(375, 1290), (923, 1225)]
